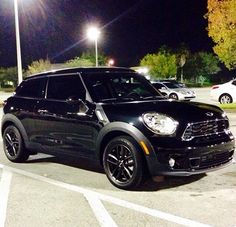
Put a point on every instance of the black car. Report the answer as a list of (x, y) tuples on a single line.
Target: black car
[(115, 116)]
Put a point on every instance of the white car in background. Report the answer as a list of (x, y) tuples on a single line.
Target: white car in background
[(174, 90), (224, 93)]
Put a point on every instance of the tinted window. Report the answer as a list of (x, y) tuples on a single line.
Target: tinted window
[(33, 88), (63, 87)]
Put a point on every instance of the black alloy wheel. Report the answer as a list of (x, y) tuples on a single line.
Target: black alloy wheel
[(123, 163), (14, 145), (173, 96), (225, 99)]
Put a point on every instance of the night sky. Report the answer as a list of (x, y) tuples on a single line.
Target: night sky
[(56, 29)]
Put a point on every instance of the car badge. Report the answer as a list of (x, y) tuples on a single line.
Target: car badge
[(209, 114)]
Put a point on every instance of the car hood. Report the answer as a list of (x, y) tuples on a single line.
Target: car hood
[(180, 111)]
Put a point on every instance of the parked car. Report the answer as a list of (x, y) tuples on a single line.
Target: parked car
[(174, 90), (224, 93), (180, 84), (116, 117)]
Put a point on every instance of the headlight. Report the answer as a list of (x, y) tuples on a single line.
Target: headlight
[(183, 92), (160, 123)]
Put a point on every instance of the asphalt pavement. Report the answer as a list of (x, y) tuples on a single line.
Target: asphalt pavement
[(54, 191)]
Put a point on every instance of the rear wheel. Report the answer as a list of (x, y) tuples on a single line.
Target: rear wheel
[(225, 98), (14, 145), (123, 163)]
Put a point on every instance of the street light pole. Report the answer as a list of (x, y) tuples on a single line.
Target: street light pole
[(18, 48), (96, 51), (93, 34)]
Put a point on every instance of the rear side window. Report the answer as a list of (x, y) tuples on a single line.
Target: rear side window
[(32, 88), (63, 87)]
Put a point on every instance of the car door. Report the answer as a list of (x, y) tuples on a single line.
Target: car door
[(64, 122), (233, 90)]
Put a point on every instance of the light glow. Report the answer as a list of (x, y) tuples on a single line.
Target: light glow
[(93, 33), (111, 62)]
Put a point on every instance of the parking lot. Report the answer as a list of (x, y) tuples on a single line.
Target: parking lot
[(59, 191)]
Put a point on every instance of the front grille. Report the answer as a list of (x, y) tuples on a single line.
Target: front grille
[(204, 129), (215, 159)]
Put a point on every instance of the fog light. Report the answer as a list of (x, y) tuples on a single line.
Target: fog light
[(171, 162)]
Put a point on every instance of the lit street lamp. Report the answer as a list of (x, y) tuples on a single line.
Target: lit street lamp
[(18, 49), (111, 62), (93, 34)]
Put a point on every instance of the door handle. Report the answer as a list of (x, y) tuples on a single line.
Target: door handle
[(46, 113)]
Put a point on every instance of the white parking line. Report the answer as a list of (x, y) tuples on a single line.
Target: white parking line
[(99, 210), (4, 191), (119, 202)]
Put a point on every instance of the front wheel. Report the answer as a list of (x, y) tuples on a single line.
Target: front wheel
[(14, 145), (225, 98), (174, 96), (123, 163)]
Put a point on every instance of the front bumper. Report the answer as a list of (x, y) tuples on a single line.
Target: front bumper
[(191, 160), (189, 97)]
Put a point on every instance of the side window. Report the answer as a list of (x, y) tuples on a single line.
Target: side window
[(234, 82), (157, 86), (32, 88), (63, 87)]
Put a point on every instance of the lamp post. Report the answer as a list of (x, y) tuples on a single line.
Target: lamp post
[(18, 49), (93, 34)]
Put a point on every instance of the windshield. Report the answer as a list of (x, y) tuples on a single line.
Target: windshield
[(119, 86)]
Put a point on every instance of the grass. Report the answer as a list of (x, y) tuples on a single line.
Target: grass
[(229, 107), (10, 89)]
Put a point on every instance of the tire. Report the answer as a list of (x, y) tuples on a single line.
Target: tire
[(13, 145), (225, 98), (123, 162), (173, 96)]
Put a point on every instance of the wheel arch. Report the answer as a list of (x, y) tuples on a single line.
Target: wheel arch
[(9, 119), (173, 93), (116, 129)]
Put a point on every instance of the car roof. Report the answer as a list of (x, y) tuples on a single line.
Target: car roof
[(81, 70)]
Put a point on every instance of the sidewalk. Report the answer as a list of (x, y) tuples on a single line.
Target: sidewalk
[(4, 96)]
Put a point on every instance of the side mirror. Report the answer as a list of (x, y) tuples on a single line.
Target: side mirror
[(75, 99), (82, 108)]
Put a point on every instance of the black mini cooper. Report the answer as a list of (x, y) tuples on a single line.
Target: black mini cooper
[(115, 116)]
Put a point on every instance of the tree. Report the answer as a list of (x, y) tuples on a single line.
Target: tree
[(182, 54), (79, 62), (222, 29), (160, 65), (8, 77), (39, 66), (200, 66), (87, 59)]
